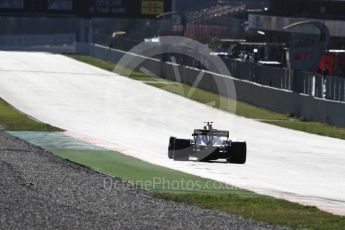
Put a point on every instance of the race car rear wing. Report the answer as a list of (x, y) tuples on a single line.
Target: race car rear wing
[(214, 132)]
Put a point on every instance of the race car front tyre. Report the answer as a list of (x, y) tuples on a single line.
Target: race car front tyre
[(170, 148), (238, 153), (181, 149)]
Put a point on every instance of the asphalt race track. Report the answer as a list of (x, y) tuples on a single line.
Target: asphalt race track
[(138, 119)]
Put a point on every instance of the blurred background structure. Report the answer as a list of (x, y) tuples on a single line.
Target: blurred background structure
[(249, 35)]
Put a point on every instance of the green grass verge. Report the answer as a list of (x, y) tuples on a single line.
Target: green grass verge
[(265, 209), (158, 178), (13, 120), (192, 190), (243, 109)]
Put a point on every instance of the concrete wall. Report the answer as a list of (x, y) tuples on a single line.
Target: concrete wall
[(34, 40), (54, 43), (278, 100)]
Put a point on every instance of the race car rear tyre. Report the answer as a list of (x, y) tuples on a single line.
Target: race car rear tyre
[(170, 148), (238, 153), (181, 149)]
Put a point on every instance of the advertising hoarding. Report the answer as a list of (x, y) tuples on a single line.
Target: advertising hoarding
[(152, 7)]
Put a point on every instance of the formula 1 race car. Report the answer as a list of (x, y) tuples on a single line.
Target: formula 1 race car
[(208, 144)]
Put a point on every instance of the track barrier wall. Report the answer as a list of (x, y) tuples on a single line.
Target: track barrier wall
[(34, 40)]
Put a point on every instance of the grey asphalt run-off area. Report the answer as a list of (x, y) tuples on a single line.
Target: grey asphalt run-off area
[(40, 190)]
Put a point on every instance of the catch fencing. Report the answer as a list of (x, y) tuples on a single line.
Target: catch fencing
[(316, 85), (264, 75), (312, 84)]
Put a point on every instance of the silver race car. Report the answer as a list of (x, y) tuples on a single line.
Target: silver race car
[(208, 144)]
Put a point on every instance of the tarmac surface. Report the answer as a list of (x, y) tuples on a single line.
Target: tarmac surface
[(137, 119), (39, 190)]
